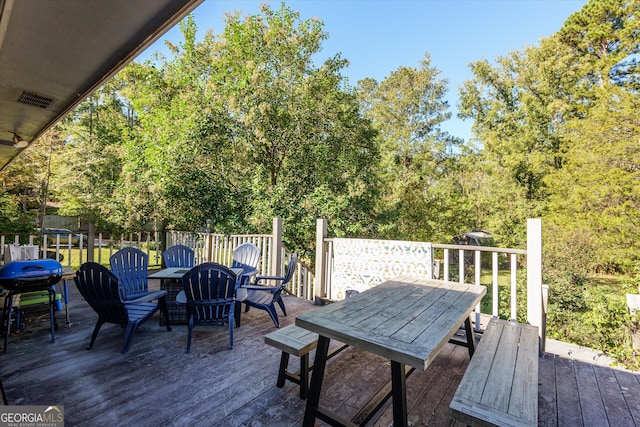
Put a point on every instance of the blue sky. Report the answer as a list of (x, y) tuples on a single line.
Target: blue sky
[(379, 36)]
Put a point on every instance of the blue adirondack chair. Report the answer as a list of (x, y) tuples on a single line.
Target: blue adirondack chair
[(247, 257), (264, 297), (106, 295), (209, 295), (131, 266), (178, 256)]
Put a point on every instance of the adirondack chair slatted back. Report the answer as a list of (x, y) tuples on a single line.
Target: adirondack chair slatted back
[(178, 256), (131, 265), (106, 296), (246, 256), (209, 289), (101, 290), (291, 268), (210, 296)]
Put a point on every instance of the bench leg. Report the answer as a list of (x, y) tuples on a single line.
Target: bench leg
[(282, 373)]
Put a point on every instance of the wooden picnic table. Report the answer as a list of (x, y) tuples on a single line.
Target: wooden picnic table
[(406, 319)]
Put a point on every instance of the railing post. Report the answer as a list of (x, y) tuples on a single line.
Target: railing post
[(161, 246), (91, 236), (276, 248), (534, 276), (321, 262)]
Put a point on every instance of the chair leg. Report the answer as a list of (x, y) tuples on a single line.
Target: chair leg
[(128, 335), (189, 331), (238, 310), (165, 311), (281, 304), (271, 309), (231, 320), (96, 329)]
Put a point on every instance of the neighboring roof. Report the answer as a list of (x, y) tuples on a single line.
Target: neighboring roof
[(55, 53)]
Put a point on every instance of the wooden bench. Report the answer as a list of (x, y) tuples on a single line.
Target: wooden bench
[(299, 342), (500, 385)]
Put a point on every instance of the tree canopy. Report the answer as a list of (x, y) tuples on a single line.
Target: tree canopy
[(243, 126)]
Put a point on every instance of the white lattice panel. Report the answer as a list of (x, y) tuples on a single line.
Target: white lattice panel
[(359, 264)]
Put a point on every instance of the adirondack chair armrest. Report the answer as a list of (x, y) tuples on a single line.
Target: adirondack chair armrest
[(181, 298), (246, 277), (261, 288), (262, 278), (149, 297)]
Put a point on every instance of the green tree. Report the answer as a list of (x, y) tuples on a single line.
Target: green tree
[(603, 41), (598, 187), (516, 127), (86, 171), (242, 127), (298, 133), (25, 185), (419, 160), (179, 163)]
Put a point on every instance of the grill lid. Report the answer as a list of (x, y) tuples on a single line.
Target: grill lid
[(43, 272)]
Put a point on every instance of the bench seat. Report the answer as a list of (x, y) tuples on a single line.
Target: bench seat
[(500, 385), (297, 341)]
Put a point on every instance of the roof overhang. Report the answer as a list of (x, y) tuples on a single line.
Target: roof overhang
[(55, 53)]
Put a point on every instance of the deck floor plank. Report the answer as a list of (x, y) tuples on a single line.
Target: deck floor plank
[(547, 402), (615, 405), (158, 384), (590, 401), (569, 412), (630, 386)]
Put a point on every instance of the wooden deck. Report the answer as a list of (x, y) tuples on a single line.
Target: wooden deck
[(157, 384)]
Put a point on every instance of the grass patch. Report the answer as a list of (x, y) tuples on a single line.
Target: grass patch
[(74, 257)]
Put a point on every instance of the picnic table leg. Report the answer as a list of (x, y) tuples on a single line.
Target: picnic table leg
[(316, 382), (399, 393), (471, 340)]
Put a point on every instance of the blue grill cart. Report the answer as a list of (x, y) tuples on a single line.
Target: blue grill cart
[(28, 276)]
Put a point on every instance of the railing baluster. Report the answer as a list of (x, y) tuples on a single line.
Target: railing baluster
[(446, 265), (514, 303), (478, 270), (496, 290)]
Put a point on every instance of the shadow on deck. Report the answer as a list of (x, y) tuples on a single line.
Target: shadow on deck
[(157, 384)]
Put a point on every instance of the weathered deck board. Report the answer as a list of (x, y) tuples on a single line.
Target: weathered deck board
[(157, 384)]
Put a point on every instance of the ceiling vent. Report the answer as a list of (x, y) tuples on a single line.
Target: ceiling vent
[(35, 100)]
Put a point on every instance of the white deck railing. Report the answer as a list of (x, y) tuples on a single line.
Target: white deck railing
[(318, 285), (468, 269), (70, 253), (500, 259)]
